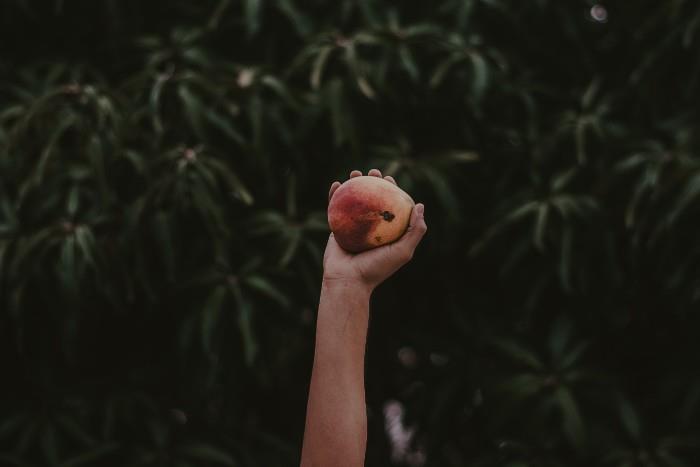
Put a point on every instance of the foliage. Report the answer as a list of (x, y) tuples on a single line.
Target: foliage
[(163, 177)]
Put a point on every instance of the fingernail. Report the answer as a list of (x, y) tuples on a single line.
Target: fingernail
[(419, 209)]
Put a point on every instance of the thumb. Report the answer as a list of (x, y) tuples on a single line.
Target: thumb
[(415, 231)]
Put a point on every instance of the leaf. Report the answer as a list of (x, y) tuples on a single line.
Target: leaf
[(85, 242), (208, 453), (72, 428), (73, 200), (223, 124), (512, 217), (89, 457), (541, 226), (443, 68), (464, 13), (197, 56), (480, 75), (193, 109), (580, 138), (300, 22), (338, 115), (408, 63), (365, 87), (319, 65), (233, 183), (630, 419), (443, 190), (565, 258), (252, 10), (218, 13), (265, 287), (280, 89), (560, 335), (518, 354), (294, 238), (154, 102), (520, 387), (255, 112), (689, 194), (245, 324), (160, 225), (572, 357), (68, 266), (49, 447), (210, 316), (52, 142), (572, 421), (670, 460)]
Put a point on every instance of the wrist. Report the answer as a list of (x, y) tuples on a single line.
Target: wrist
[(356, 287)]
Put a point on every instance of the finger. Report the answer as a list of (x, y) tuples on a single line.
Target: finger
[(390, 179), (415, 232), (333, 250), (375, 173), (355, 173), (334, 186)]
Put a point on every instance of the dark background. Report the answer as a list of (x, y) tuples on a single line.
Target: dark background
[(164, 168)]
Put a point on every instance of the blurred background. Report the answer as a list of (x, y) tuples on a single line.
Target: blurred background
[(164, 169)]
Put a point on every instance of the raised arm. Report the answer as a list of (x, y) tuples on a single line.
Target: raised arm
[(336, 418)]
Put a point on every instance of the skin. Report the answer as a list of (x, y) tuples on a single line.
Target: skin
[(335, 434)]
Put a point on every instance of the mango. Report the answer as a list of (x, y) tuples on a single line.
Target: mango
[(366, 212)]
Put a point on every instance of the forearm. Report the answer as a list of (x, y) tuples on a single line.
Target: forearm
[(336, 419)]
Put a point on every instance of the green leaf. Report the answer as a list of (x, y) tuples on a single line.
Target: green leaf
[(154, 102), (300, 21), (409, 63), (541, 225), (245, 324), (85, 242), (520, 387), (518, 354), (91, 456), (252, 10), (560, 336), (690, 192), (294, 238), (75, 431), (210, 316), (218, 13), (630, 419), (208, 453), (162, 231), (572, 420), (443, 190), (319, 65), (565, 258), (49, 446), (231, 180), (266, 287), (480, 75), (280, 89), (223, 124), (193, 109), (443, 68)]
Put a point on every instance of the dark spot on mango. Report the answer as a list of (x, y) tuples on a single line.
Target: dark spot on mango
[(388, 216), (378, 238)]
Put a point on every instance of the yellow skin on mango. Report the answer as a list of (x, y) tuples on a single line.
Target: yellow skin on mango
[(366, 212)]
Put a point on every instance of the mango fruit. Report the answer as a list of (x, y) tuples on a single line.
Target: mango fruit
[(366, 212)]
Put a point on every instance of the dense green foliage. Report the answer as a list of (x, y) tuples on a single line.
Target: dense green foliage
[(163, 176)]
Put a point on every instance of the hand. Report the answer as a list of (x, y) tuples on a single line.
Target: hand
[(370, 268)]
